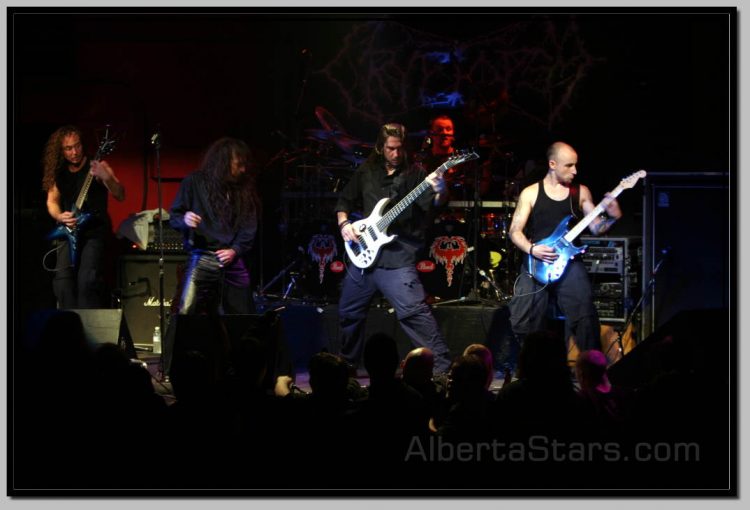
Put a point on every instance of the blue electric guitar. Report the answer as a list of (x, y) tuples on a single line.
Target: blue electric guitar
[(62, 231), (562, 240), (372, 230)]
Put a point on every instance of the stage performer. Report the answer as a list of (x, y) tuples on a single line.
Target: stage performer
[(216, 208), (440, 141), (387, 173), (78, 281), (540, 209)]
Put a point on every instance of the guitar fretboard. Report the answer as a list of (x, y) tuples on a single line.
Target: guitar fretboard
[(596, 211), (104, 148), (405, 202), (402, 204), (84, 191)]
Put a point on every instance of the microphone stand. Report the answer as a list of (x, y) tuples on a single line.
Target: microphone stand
[(156, 142), (476, 225), (631, 316)]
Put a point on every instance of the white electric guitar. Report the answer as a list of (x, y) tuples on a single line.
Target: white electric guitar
[(371, 231)]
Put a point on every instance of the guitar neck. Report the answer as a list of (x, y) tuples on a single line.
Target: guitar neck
[(401, 206), (84, 191), (405, 202), (581, 225)]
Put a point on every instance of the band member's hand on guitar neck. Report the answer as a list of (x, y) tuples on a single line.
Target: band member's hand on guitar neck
[(382, 247), (540, 229), (77, 197), (104, 174), (436, 182)]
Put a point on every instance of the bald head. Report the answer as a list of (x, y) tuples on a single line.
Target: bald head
[(562, 160), (553, 151)]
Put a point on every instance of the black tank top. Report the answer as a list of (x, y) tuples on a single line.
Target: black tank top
[(548, 213), (69, 184)]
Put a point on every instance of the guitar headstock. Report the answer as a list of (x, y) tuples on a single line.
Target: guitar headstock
[(459, 157), (630, 181), (106, 145)]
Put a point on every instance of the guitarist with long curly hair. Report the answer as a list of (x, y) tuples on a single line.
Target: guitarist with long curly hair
[(78, 281)]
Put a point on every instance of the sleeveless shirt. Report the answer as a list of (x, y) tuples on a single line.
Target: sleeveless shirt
[(70, 183), (547, 213)]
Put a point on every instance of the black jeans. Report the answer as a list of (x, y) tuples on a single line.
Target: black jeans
[(528, 308), (207, 290), (82, 286)]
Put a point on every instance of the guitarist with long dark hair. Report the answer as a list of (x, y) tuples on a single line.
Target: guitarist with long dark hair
[(540, 210), (387, 174), (216, 209), (78, 281)]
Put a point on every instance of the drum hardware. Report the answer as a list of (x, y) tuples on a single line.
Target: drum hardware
[(484, 204), (262, 292), (491, 282), (292, 284)]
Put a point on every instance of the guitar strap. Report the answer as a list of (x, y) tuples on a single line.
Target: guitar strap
[(575, 201)]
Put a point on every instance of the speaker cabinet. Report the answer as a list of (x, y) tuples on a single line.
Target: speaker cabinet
[(102, 326), (692, 340), (686, 236), (138, 281)]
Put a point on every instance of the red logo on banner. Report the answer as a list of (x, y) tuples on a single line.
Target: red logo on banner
[(322, 249), (336, 266), (449, 251), (425, 266)]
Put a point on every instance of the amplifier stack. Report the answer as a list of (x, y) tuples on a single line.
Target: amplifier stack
[(613, 263)]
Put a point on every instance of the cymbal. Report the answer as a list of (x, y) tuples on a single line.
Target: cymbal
[(328, 121), (344, 141)]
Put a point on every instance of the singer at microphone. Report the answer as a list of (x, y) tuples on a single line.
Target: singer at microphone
[(216, 210)]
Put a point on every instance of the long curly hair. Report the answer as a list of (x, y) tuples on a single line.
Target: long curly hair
[(233, 201), (52, 158)]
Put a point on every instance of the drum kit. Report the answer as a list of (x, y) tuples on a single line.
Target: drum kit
[(468, 254)]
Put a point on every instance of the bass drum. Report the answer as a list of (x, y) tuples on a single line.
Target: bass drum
[(444, 261), (496, 224), (320, 263)]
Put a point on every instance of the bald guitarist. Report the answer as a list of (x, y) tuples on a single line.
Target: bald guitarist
[(540, 212), (75, 184)]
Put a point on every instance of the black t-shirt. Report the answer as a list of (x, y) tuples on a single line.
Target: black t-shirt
[(70, 183)]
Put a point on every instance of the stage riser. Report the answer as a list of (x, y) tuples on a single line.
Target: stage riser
[(310, 329)]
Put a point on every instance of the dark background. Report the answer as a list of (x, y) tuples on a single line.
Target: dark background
[(628, 89)]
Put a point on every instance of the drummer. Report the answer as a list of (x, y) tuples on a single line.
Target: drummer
[(460, 179)]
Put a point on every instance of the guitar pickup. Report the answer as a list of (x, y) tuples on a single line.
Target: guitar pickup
[(373, 234)]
